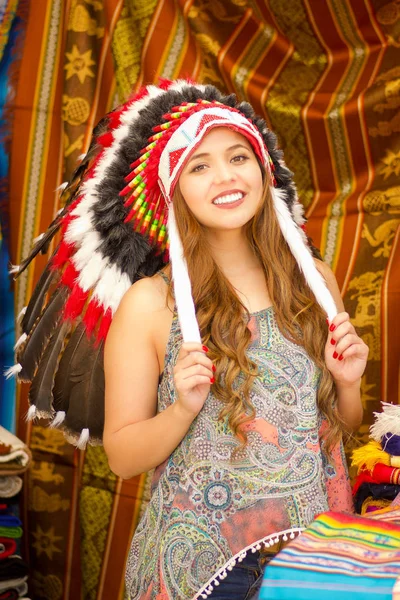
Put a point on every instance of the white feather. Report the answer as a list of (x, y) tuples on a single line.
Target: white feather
[(92, 271), (111, 287), (80, 157), (13, 371), (86, 251), (20, 341), (62, 186), (83, 439), (38, 238), (78, 228), (182, 286), (123, 285), (58, 419), (302, 254), (298, 213), (31, 414), (21, 314), (387, 421), (14, 269)]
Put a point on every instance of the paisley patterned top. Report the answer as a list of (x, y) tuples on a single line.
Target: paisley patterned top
[(208, 507)]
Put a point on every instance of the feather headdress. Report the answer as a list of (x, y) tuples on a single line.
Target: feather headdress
[(117, 226)]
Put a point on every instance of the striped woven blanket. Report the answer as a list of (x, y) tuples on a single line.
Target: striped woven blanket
[(340, 556)]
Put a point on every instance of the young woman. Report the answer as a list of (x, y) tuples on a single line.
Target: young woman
[(243, 426)]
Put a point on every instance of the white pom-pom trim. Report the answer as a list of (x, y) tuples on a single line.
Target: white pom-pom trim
[(20, 341), (83, 439), (13, 371), (268, 541), (58, 419)]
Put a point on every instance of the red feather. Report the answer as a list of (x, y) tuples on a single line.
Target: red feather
[(70, 275), (75, 303), (93, 315), (104, 326), (106, 139), (64, 252)]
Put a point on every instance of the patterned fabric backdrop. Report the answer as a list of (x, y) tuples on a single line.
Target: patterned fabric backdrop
[(326, 77)]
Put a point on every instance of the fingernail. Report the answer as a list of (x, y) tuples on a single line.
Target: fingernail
[(332, 327), (341, 357), (335, 355), (205, 349), (333, 342), (212, 380), (214, 368)]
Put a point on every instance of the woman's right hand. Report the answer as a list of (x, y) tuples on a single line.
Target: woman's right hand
[(193, 376)]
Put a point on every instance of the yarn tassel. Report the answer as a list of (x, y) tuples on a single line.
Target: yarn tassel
[(368, 456), (386, 421), (391, 444)]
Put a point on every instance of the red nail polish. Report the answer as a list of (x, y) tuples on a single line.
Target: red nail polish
[(212, 380), (214, 368), (205, 349), (332, 327), (333, 342), (341, 357), (335, 355)]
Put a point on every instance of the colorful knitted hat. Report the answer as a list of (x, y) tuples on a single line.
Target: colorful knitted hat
[(117, 226)]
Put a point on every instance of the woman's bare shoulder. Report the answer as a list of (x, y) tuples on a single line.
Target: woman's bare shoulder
[(148, 295)]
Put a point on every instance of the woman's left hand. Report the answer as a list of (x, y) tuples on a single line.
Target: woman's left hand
[(345, 352)]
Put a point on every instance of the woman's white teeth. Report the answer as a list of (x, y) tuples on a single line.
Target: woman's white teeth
[(229, 198)]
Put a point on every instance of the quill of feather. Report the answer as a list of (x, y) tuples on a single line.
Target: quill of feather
[(36, 302), (40, 393), (79, 385), (39, 337)]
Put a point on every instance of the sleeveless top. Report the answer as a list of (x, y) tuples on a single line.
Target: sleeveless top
[(209, 507)]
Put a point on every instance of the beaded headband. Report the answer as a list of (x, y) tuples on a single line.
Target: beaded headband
[(152, 180)]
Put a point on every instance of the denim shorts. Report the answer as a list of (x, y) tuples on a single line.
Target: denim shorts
[(244, 581)]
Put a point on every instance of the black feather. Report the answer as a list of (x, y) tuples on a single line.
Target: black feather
[(36, 303), (41, 245), (79, 385), (40, 393), (38, 339)]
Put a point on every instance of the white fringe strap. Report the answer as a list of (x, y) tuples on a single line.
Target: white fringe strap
[(268, 541), (182, 286), (13, 371), (302, 254)]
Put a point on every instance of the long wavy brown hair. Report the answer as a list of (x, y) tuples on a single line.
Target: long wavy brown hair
[(223, 318)]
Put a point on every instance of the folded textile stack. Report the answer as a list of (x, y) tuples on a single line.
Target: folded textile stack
[(378, 480), (356, 557), (15, 458)]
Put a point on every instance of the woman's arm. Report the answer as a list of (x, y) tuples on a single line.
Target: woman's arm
[(137, 439), (346, 356)]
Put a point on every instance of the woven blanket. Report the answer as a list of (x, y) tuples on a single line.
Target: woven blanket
[(15, 456), (10, 486), (356, 557)]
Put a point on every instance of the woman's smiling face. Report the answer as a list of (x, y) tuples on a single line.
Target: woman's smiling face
[(222, 182)]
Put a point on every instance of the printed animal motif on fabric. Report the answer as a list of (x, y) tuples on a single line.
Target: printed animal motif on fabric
[(210, 498)]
